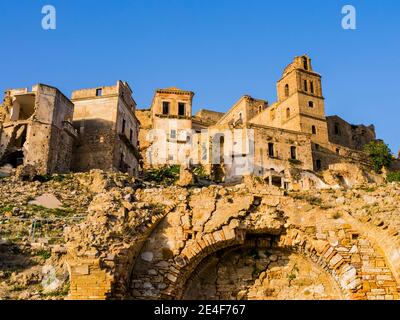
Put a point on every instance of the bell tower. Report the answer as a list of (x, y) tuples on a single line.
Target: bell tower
[(300, 100)]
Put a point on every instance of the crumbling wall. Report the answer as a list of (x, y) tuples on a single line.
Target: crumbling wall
[(152, 243), (350, 136), (39, 139), (261, 274)]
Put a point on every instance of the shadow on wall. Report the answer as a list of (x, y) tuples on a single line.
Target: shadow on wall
[(97, 145)]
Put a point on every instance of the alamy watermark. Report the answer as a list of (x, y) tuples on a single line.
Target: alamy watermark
[(349, 21), (49, 20)]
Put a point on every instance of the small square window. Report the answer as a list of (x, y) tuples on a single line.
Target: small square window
[(311, 104)]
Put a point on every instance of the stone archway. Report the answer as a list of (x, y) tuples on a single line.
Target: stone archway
[(260, 274), (198, 224)]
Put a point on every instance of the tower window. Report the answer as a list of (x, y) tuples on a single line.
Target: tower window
[(271, 150), (165, 107), (312, 87), (287, 90), (293, 153), (181, 109), (287, 113), (305, 63), (311, 104), (130, 135), (314, 130), (305, 85), (173, 134), (99, 92), (338, 151), (337, 129)]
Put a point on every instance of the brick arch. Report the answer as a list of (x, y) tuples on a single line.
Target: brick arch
[(181, 267), (344, 275), (210, 265)]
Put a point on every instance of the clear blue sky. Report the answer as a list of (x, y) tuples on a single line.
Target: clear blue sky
[(220, 49)]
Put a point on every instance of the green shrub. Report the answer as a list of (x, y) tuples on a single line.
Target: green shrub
[(380, 154), (45, 254), (167, 174), (393, 176)]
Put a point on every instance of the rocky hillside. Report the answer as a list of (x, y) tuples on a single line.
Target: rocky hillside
[(97, 214)]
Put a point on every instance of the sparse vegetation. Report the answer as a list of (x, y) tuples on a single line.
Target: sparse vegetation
[(393, 176), (44, 254), (380, 155), (293, 274), (200, 172), (59, 293), (315, 201), (166, 175), (368, 189)]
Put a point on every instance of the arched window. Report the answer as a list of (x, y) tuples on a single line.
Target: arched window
[(312, 87), (287, 90), (314, 130), (287, 113), (305, 85)]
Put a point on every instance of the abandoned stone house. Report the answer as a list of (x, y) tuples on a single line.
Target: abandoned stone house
[(277, 141), (36, 129), (42, 128), (101, 128), (108, 129)]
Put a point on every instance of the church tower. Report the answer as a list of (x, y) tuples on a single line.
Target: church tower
[(300, 100)]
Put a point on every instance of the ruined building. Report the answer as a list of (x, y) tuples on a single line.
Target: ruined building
[(108, 129), (100, 128), (36, 129), (281, 141), (44, 130)]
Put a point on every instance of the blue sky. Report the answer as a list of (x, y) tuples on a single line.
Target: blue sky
[(220, 49)]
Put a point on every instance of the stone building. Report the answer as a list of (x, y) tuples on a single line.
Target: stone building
[(108, 129), (100, 128), (36, 129), (169, 122), (280, 139)]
